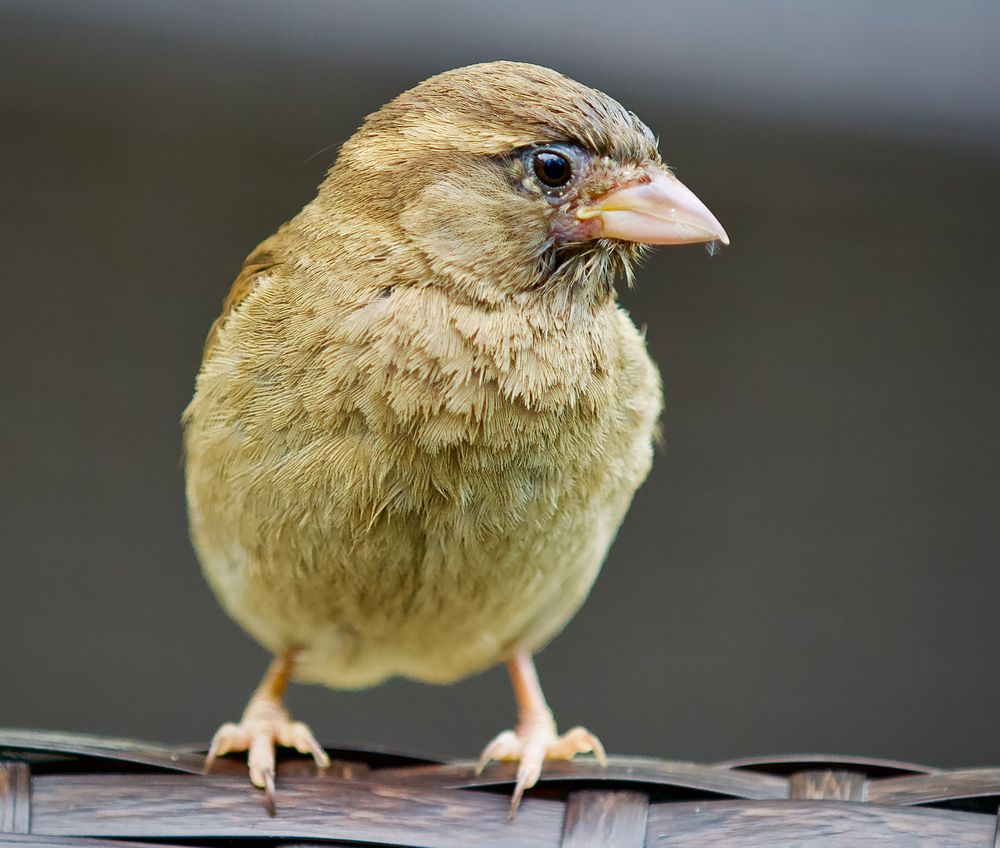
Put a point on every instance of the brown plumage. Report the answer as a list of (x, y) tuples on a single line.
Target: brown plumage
[(421, 416)]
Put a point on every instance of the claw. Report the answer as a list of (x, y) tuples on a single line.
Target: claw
[(226, 738), (262, 727), (535, 739), (528, 772), (531, 745), (506, 746), (301, 738), (269, 794)]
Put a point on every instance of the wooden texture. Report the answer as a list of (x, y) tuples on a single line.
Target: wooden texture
[(638, 771), (84, 792), (817, 824), (927, 789), (218, 807), (827, 785), (29, 840), (602, 819), (15, 796), (189, 759), (125, 750), (789, 763)]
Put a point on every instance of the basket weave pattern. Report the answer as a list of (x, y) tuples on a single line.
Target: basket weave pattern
[(71, 790)]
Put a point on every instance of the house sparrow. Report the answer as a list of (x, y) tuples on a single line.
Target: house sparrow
[(421, 416)]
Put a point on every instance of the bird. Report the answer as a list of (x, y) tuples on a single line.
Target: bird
[(421, 415)]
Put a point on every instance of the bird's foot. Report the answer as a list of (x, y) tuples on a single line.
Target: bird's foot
[(265, 724), (535, 741)]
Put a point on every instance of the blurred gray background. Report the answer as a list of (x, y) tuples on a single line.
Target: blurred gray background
[(813, 564)]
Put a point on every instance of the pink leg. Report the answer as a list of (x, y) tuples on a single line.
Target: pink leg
[(535, 739), (266, 723)]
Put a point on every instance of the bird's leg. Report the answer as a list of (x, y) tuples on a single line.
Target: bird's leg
[(535, 739), (264, 724)]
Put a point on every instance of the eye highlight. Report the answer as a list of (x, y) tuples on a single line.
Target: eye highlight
[(552, 168)]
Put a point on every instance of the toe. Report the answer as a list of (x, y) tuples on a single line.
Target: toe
[(301, 738), (261, 760), (535, 744), (506, 746), (528, 772), (579, 740), (229, 737)]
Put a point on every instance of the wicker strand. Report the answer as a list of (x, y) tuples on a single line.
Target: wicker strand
[(15, 797), (601, 819)]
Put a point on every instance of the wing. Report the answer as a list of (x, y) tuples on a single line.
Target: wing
[(264, 257)]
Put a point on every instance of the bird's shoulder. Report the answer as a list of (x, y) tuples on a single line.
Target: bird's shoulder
[(263, 258)]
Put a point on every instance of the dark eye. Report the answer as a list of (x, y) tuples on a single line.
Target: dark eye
[(552, 168)]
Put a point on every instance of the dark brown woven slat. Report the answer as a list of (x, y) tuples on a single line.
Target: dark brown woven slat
[(30, 840), (344, 769), (620, 770), (926, 789), (86, 791), (597, 818), (187, 759), (827, 785), (788, 763), (830, 824), (124, 750), (179, 807), (15, 797)]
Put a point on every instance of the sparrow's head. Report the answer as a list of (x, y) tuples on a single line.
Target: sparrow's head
[(506, 176)]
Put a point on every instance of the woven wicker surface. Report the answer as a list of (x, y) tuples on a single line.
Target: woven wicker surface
[(65, 789)]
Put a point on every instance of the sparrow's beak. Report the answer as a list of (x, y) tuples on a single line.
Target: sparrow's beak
[(657, 210)]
